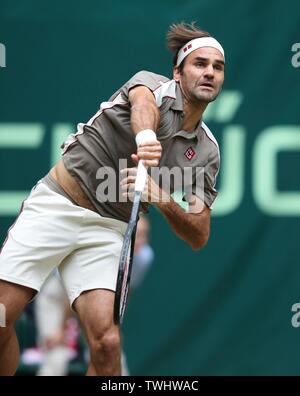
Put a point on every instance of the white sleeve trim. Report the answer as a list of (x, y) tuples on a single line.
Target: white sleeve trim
[(80, 127), (166, 89)]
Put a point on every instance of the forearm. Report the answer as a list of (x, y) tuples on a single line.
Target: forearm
[(144, 115), (192, 228), (144, 121)]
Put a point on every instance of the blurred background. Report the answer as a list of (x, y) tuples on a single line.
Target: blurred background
[(226, 310)]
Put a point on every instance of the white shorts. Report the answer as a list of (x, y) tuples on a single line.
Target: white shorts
[(51, 232)]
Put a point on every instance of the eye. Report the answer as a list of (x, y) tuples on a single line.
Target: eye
[(218, 67), (200, 64)]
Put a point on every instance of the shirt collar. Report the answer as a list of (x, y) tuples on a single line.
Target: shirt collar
[(178, 105), (187, 135), (178, 102)]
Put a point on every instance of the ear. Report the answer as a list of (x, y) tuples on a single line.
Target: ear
[(176, 73)]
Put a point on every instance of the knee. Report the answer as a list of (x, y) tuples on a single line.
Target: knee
[(5, 334), (106, 343), (7, 318)]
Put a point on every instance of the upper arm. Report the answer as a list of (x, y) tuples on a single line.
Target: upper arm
[(142, 81), (141, 94)]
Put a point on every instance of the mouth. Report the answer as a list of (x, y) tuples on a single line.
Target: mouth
[(207, 85)]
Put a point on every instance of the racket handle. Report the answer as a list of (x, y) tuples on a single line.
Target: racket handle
[(140, 177)]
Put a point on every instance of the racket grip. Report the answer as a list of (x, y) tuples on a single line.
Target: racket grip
[(140, 177)]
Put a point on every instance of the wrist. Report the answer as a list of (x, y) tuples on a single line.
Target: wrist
[(146, 135), (162, 200)]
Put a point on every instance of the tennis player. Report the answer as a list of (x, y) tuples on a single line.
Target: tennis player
[(68, 222)]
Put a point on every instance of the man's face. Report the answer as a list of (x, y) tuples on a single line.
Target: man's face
[(203, 75)]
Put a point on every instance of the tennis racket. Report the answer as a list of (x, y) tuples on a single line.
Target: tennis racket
[(126, 257)]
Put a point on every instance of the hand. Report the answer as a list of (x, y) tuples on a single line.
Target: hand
[(152, 192), (149, 152)]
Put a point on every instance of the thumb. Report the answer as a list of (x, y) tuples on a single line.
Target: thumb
[(135, 158)]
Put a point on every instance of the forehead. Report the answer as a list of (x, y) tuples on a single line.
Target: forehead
[(206, 52)]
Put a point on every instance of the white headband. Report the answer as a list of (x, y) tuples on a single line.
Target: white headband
[(198, 43)]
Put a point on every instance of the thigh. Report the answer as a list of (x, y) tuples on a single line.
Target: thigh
[(14, 298), (40, 239), (94, 265)]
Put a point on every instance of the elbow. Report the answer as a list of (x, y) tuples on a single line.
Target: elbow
[(145, 105), (199, 242)]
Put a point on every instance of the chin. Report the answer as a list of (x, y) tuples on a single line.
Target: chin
[(207, 95), (207, 98), (212, 98)]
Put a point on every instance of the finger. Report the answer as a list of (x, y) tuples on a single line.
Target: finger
[(149, 156), (151, 162), (128, 180), (128, 171), (150, 148), (129, 195), (151, 152), (150, 143), (127, 188), (135, 158)]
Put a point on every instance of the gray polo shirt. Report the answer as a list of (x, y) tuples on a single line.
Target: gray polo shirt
[(93, 154)]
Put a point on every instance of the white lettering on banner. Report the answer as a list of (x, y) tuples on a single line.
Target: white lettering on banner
[(2, 55), (232, 181), (232, 173), (269, 143), (15, 136)]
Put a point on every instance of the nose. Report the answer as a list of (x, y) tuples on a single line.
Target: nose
[(209, 71)]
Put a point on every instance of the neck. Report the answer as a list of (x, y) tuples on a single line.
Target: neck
[(193, 114)]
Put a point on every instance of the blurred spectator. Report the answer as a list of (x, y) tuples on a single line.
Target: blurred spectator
[(57, 333), (143, 253)]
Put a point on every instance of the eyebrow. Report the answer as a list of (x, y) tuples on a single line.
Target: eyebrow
[(200, 58)]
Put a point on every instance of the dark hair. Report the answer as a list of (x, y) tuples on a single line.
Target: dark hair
[(181, 33)]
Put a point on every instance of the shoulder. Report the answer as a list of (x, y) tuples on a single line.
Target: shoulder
[(148, 75), (146, 78)]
